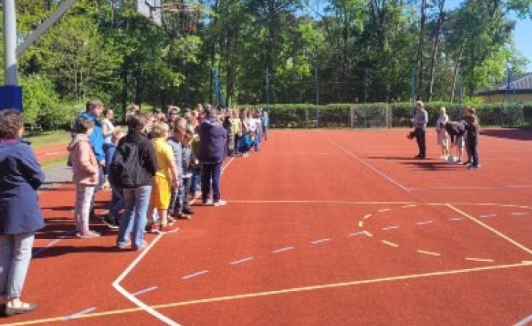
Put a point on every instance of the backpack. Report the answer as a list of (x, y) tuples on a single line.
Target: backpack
[(125, 166)]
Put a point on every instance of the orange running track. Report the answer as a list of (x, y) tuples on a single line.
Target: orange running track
[(322, 227)]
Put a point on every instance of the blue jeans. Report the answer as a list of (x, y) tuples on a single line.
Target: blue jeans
[(134, 220), (210, 172), (196, 176), (15, 256), (117, 203)]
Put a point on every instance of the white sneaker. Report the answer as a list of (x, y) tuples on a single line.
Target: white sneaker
[(207, 203), (219, 203)]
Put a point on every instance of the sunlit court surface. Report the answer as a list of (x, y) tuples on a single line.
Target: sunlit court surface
[(321, 227)]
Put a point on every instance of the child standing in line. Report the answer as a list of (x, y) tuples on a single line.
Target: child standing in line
[(443, 137), (165, 177), (472, 135), (117, 200), (265, 123), (85, 175), (176, 205), (196, 166), (188, 164)]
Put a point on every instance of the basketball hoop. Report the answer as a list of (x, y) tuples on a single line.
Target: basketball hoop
[(181, 18)]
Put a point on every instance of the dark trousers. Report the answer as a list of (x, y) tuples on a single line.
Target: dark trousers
[(237, 141), (210, 173), (473, 152), (265, 132), (421, 144)]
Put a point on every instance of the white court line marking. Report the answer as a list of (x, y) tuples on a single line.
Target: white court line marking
[(391, 244), (320, 241), (481, 260), (371, 167), (188, 277), (139, 303), (428, 253), (424, 223), (278, 251), (153, 288), (241, 261), (472, 188), (525, 321), (519, 214), (390, 228), (367, 216), (368, 234), (132, 298), (357, 234), (457, 219), (408, 206), (384, 210), (53, 243), (78, 314), (488, 216)]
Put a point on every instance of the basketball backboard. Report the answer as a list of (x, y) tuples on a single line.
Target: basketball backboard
[(151, 9)]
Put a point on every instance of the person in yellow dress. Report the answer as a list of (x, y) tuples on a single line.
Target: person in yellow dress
[(165, 177)]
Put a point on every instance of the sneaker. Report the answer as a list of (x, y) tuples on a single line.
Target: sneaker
[(219, 203), (168, 229), (207, 203), (148, 227), (144, 245), (88, 234), (188, 211), (183, 216), (110, 222), (172, 220), (154, 228), (123, 247)]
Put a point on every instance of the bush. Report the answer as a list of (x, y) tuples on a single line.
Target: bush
[(383, 115)]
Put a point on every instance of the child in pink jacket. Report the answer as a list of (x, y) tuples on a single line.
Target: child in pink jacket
[(85, 175)]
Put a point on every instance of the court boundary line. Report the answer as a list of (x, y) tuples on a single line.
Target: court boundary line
[(472, 188), (116, 284), (382, 174), (300, 289), (491, 229), (287, 291)]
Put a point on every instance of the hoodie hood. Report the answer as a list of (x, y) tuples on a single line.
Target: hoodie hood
[(77, 139)]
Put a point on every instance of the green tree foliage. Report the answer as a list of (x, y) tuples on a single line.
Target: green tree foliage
[(361, 50)]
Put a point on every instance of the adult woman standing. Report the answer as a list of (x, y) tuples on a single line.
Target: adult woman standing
[(20, 213)]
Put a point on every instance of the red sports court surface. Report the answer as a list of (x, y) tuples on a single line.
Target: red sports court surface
[(322, 227)]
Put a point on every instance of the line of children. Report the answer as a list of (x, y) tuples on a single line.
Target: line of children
[(155, 169)]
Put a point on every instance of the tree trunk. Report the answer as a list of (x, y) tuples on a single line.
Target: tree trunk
[(420, 61), (435, 45), (456, 71)]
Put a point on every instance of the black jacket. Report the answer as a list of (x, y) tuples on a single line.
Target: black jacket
[(147, 159)]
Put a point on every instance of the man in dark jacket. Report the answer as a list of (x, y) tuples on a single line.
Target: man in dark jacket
[(138, 190), (212, 153)]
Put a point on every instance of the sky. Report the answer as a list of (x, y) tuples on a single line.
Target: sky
[(522, 37), (523, 40)]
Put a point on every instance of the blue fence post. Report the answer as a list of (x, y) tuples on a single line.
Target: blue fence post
[(317, 100), (268, 90), (366, 86), (460, 93), (414, 89)]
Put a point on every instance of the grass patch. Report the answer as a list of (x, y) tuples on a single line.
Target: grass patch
[(49, 138)]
